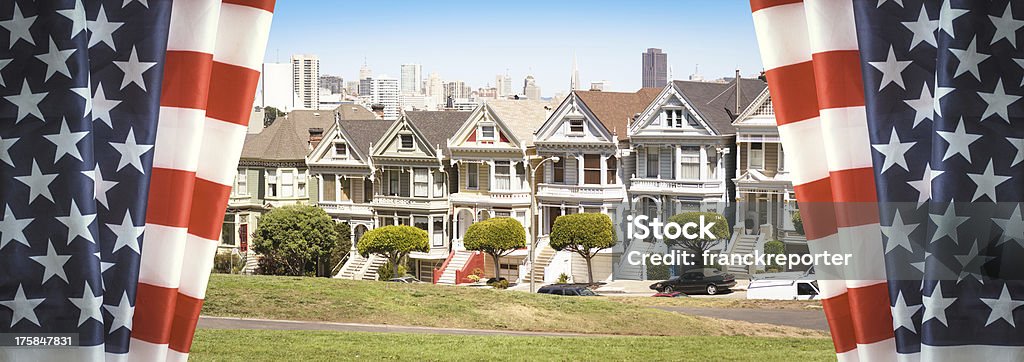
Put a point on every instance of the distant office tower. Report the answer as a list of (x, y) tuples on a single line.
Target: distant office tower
[(530, 88), (276, 86), (306, 76), (385, 91), (456, 89), (412, 79), (655, 68), (352, 88), (435, 90), (332, 83), (365, 71), (503, 82)]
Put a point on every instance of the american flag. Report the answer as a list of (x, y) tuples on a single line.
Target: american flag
[(120, 129), (912, 108)]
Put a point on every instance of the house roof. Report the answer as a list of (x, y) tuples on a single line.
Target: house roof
[(437, 126), (522, 117), (363, 133), (617, 109), (717, 101), (287, 139)]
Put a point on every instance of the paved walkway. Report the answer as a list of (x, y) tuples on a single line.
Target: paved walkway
[(270, 324), (807, 319)]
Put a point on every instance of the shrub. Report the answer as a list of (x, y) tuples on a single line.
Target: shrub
[(702, 243), (496, 237), (499, 284), (774, 247), (393, 243), (227, 263), (584, 234), (473, 278), (798, 223), (563, 278), (657, 272), (387, 271), (296, 240)]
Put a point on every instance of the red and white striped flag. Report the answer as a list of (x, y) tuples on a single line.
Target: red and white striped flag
[(214, 53), (810, 53)]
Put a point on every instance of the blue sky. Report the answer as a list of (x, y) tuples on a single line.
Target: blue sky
[(475, 40)]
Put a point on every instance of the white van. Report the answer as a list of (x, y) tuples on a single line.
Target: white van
[(783, 289)]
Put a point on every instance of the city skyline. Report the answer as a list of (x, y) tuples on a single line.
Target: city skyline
[(525, 38)]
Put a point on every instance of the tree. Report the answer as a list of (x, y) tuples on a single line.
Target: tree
[(798, 223), (393, 243), (496, 237), (295, 240), (270, 114), (702, 243), (774, 247), (344, 244), (584, 234)]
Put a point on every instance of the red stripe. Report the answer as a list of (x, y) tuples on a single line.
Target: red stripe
[(186, 79), (872, 315), (267, 5), (856, 201), (838, 78), (815, 200), (793, 92), (232, 90), (756, 5), (209, 201), (840, 322), (186, 316), (154, 308), (170, 197)]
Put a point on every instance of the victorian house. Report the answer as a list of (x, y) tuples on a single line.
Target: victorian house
[(583, 147)]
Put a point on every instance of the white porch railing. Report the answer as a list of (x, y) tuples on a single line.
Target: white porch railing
[(676, 185), (604, 191), (346, 208), (399, 201), (507, 197)]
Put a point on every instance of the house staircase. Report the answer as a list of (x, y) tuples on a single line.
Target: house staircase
[(458, 261), (627, 271), (743, 244), (359, 268), (543, 258)]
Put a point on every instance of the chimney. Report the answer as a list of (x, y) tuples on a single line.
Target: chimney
[(315, 136), (738, 110), (378, 109)]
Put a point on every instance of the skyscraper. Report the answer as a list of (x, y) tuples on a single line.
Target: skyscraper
[(530, 88), (306, 79), (655, 68), (412, 79), (333, 83), (385, 91), (365, 71)]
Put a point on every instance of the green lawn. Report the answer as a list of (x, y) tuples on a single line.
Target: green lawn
[(261, 345), (322, 299)]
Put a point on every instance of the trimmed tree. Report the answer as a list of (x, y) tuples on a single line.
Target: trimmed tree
[(774, 247), (295, 240), (702, 243), (584, 234), (496, 237), (393, 243)]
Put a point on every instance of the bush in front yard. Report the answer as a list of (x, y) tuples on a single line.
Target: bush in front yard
[(387, 271), (393, 243), (296, 240), (496, 237), (773, 247), (227, 263), (584, 234)]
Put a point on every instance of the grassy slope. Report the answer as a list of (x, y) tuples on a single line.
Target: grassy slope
[(320, 299), (259, 345), (719, 303)]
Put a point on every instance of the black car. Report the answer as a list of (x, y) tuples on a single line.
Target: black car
[(567, 289), (706, 280)]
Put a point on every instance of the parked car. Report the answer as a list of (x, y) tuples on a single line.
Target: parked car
[(783, 289), (567, 289), (405, 280), (705, 280)]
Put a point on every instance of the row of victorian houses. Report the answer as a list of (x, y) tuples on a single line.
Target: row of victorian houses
[(690, 146)]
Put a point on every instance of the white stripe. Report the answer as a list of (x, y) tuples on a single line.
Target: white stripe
[(87, 353), (192, 25), (782, 35), (846, 138), (195, 271), (221, 146), (163, 249), (242, 36), (867, 266), (830, 25), (805, 147), (175, 356), (848, 356), (177, 138), (908, 357), (884, 350), (143, 351), (972, 353)]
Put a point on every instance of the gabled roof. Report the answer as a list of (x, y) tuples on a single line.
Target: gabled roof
[(522, 117), (287, 139), (363, 133), (437, 126), (716, 102), (616, 110)]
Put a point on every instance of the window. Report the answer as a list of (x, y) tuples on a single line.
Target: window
[(420, 222), (287, 184), (487, 133), (592, 169), (756, 155), (473, 176), (393, 184), (346, 189), (406, 140), (241, 183), (367, 190), (558, 171), (805, 289), (689, 162), (502, 175), (330, 188), (612, 166), (576, 126), (340, 150), (420, 182), (438, 183), (674, 118), (653, 161), (438, 231), (712, 163), (782, 158), (272, 183), (301, 183), (520, 177), (227, 231)]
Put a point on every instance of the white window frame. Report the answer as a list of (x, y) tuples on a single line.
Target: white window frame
[(416, 181), (656, 152), (571, 125), (272, 183), (674, 117), (507, 176), (751, 156), (334, 150), (241, 183), (472, 176), (438, 183), (482, 132), (401, 142), (688, 159)]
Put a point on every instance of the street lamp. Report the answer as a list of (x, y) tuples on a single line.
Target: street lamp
[(536, 217)]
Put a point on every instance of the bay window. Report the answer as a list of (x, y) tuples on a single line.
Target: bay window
[(241, 183), (330, 188), (345, 188), (592, 169), (653, 161), (756, 156), (438, 183), (420, 182), (558, 171), (612, 165), (271, 183), (689, 162), (473, 176), (502, 175)]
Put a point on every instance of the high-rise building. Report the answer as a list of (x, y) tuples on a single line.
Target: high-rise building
[(306, 77), (365, 71), (435, 90), (503, 82), (412, 79), (655, 68), (276, 86), (332, 83), (352, 88), (530, 88), (456, 89), (385, 91)]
